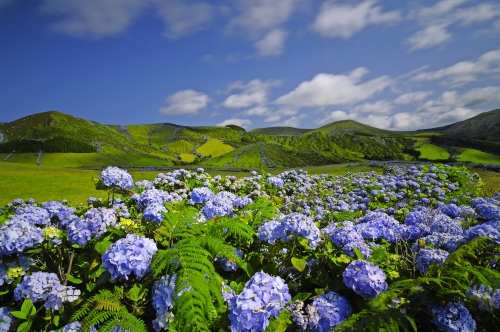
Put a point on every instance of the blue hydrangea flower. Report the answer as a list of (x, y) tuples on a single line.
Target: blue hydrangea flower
[(290, 226), (18, 201), (132, 254), (115, 177), (275, 181), (46, 287), (17, 235), (33, 214), (72, 327), (496, 299), (331, 309), (365, 279), (6, 320), (201, 195), (428, 256), (453, 317), (441, 223), (228, 265), (93, 224), (444, 241), (151, 196), (271, 231), (58, 210), (378, 225), (242, 201), (483, 230), (264, 296), (220, 205), (162, 295), (154, 212), (17, 268), (483, 296)]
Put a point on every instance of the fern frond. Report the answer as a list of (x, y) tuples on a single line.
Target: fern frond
[(386, 320)]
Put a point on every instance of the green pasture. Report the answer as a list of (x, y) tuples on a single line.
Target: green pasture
[(180, 146), (22, 158), (187, 157), (478, 157), (433, 152), (214, 148)]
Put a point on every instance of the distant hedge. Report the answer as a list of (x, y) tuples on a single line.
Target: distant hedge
[(54, 144)]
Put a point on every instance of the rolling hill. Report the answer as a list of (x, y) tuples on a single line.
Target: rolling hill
[(54, 138)]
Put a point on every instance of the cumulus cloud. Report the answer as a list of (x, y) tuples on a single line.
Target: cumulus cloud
[(272, 44), (379, 107), (329, 89), (464, 71), (261, 21), (259, 110), (412, 97), (336, 116), (294, 121), (185, 102), (435, 21), (344, 20), (92, 18), (244, 123), (253, 93), (183, 17)]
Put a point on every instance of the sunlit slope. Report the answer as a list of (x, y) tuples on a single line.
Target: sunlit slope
[(478, 157)]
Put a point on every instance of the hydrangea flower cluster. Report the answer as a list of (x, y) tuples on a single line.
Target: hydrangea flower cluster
[(290, 226), (17, 268), (58, 210), (116, 177), (17, 235), (485, 229), (72, 327), (346, 236), (220, 205), (162, 296), (46, 287), (428, 256), (151, 196), (6, 319), (264, 296), (154, 212), (201, 195), (33, 214), (453, 317), (275, 181), (132, 254), (92, 225), (483, 296), (330, 310), (365, 279)]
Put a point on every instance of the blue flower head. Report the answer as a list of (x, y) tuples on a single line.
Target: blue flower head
[(6, 319), (483, 296), (331, 310), (162, 295), (275, 181), (428, 256), (93, 224), (264, 296), (116, 177), (453, 317), (365, 279), (132, 254), (17, 235), (201, 195), (154, 212)]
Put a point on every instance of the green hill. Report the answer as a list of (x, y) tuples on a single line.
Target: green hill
[(57, 139)]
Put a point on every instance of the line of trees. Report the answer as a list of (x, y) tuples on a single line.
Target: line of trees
[(54, 144)]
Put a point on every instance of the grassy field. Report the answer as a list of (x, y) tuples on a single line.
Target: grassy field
[(433, 152), (478, 157), (214, 148), (46, 183)]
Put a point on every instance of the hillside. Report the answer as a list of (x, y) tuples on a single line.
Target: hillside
[(54, 138)]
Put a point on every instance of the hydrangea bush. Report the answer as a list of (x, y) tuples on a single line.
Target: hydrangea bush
[(414, 248)]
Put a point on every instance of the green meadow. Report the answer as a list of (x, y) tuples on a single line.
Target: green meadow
[(433, 152), (478, 157)]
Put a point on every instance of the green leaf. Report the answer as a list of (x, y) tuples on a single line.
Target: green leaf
[(90, 286), (4, 292), (27, 308), (305, 243), (301, 297), (19, 314), (358, 253), (56, 320), (102, 246), (319, 291), (74, 280), (136, 293), (299, 263), (24, 327)]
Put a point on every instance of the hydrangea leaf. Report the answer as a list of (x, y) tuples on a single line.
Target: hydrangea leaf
[(74, 279), (301, 297), (299, 263)]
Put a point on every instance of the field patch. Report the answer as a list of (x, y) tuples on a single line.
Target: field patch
[(214, 148), (187, 157), (161, 135), (180, 146), (433, 152), (478, 157)]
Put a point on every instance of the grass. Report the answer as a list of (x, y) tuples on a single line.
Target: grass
[(491, 181), (433, 152), (478, 157), (187, 157), (22, 158), (214, 148), (180, 146)]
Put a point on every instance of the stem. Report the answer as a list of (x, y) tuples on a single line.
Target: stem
[(69, 267)]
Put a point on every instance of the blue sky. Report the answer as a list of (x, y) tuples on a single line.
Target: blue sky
[(397, 65)]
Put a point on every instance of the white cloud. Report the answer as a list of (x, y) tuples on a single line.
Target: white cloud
[(464, 71), (253, 93), (431, 36), (294, 121), (259, 110), (244, 123), (412, 97), (379, 107), (336, 116), (272, 44), (261, 21), (329, 89), (92, 18), (185, 102), (183, 17), (435, 21), (344, 20)]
